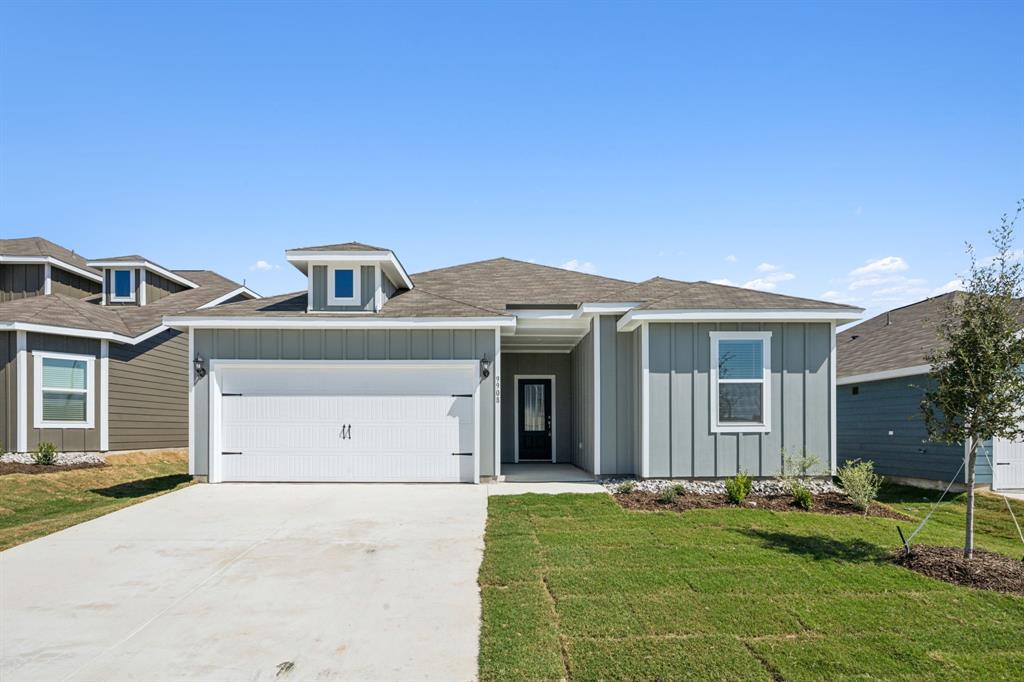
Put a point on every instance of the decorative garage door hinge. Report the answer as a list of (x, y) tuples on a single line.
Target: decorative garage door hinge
[(225, 452), (462, 454), (231, 395), (462, 395)]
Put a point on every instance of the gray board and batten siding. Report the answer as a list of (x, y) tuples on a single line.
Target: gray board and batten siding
[(582, 360), (319, 284), (682, 443), (534, 364), (881, 421), (347, 344)]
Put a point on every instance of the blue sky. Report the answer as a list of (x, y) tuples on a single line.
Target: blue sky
[(843, 151)]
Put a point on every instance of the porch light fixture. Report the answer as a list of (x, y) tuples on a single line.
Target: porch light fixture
[(197, 364), (485, 367)]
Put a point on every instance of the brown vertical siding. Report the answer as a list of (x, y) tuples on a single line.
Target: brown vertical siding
[(157, 287), (21, 281), (149, 393), (66, 440), (70, 284), (9, 391), (109, 279)]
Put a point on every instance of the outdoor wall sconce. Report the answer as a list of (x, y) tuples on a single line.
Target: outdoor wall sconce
[(197, 364), (485, 367)]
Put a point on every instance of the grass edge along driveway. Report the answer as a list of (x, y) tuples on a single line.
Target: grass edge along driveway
[(574, 587), (34, 505)]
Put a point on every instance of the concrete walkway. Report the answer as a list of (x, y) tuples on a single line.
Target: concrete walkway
[(253, 582)]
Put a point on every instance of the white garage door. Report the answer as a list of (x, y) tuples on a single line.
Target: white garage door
[(387, 422), (1008, 465)]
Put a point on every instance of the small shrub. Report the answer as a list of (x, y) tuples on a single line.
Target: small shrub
[(738, 487), (799, 466), (668, 495), (46, 454), (626, 487), (860, 482), (680, 489), (803, 496)]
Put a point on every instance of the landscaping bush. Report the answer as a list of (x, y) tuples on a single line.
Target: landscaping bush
[(738, 487), (803, 497), (627, 487), (860, 482), (46, 454), (668, 495), (799, 466)]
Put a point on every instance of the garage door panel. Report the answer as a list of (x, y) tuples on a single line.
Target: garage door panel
[(347, 438)]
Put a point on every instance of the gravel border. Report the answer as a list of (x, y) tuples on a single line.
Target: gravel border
[(763, 488), (63, 458)]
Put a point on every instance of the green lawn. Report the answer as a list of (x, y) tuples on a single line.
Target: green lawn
[(575, 587), (33, 505)]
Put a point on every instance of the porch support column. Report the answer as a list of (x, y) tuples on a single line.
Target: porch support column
[(596, 331), (497, 402)]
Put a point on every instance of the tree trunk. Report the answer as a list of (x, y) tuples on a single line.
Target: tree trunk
[(971, 459)]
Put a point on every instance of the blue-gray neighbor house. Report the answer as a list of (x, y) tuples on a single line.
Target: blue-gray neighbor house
[(883, 373)]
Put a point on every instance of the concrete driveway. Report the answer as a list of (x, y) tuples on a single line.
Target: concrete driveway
[(253, 582)]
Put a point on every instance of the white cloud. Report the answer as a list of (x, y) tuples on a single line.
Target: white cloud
[(264, 266), (887, 264), (837, 297), (1013, 256), (730, 258), (767, 267), (952, 285), (770, 281), (724, 281), (578, 266)]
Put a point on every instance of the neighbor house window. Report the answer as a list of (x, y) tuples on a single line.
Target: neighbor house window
[(63, 386), (741, 378), (343, 286), (123, 283)]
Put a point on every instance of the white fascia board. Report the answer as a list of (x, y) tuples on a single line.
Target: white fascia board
[(230, 295), (163, 272), (303, 259), (317, 322), (63, 331), (632, 319), (583, 311), (886, 374), (606, 308), (43, 260)]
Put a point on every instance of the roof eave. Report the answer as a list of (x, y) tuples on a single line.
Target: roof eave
[(183, 322), (634, 318)]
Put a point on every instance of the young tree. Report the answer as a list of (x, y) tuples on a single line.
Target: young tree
[(977, 392)]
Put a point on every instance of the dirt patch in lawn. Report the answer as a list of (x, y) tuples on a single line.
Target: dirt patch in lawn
[(824, 503), (986, 571), (17, 468)]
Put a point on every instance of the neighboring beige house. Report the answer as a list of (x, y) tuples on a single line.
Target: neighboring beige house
[(86, 362)]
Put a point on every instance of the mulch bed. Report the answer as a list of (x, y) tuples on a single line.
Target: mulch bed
[(986, 571), (15, 468), (824, 503)]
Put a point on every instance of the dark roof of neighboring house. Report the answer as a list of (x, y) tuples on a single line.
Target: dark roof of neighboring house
[(405, 303), (37, 246), (500, 282), (58, 310), (896, 339), (347, 246)]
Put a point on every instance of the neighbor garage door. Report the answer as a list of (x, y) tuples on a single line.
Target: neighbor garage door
[(391, 422)]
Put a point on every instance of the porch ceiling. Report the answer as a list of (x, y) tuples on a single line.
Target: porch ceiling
[(544, 336)]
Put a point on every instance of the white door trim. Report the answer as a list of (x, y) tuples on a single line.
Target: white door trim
[(554, 411), (216, 368)]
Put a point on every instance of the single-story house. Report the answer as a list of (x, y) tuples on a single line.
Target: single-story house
[(883, 374), (460, 373), (86, 362)]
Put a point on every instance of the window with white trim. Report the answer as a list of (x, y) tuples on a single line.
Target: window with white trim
[(741, 382), (63, 391), (343, 286), (122, 285)]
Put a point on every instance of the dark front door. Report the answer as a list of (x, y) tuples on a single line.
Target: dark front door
[(534, 419)]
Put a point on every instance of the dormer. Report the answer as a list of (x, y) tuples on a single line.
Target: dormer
[(137, 281), (349, 277)]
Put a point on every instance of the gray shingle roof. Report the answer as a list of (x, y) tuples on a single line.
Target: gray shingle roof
[(405, 303), (667, 294), (73, 313), (897, 339), (500, 282), (37, 246), (347, 246)]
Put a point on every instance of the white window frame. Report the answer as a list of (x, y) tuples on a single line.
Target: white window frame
[(88, 391), (356, 297), (763, 426), (130, 298)]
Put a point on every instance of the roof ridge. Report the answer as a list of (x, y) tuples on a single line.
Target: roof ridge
[(455, 300), (524, 262)]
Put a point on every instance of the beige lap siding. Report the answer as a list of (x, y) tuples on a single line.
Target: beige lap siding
[(66, 440), (149, 393)]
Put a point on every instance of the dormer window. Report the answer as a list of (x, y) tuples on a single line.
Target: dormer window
[(123, 284), (344, 286)]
